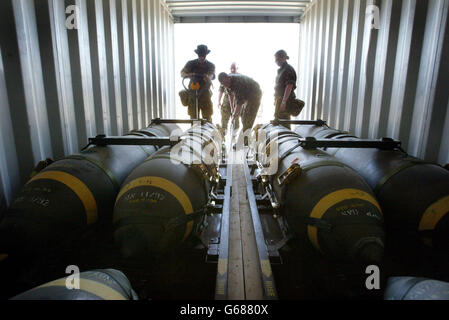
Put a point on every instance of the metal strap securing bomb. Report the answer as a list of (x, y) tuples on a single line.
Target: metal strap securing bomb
[(169, 225), (324, 163), (289, 152), (295, 169), (279, 143), (319, 224), (286, 138), (328, 227), (182, 220), (280, 135), (99, 165)]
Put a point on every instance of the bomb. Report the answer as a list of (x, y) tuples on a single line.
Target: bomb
[(67, 197), (414, 194), (164, 199), (323, 200), (108, 284), (409, 288)]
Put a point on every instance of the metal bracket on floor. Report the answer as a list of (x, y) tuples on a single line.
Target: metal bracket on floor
[(269, 288), (221, 287), (264, 181)]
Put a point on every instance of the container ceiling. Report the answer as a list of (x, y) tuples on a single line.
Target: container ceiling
[(236, 11)]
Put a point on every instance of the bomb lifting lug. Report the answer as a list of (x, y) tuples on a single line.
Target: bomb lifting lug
[(290, 174)]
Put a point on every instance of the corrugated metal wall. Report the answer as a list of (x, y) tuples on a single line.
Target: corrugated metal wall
[(59, 86), (387, 82)]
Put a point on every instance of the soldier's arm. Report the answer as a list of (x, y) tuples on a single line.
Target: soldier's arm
[(238, 101), (287, 92), (290, 77), (290, 80), (185, 74), (211, 73), (208, 77), (186, 71), (231, 101), (237, 110)]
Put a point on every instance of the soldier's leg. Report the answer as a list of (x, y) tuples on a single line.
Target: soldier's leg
[(249, 116), (237, 122), (281, 115), (250, 113), (191, 110), (225, 115), (206, 106)]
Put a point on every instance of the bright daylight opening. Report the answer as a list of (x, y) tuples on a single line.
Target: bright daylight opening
[(251, 45)]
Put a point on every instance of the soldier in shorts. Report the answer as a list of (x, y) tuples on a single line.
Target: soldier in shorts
[(225, 106), (202, 72)]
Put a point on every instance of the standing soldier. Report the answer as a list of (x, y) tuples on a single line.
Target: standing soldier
[(225, 106), (247, 93), (285, 85), (202, 72)]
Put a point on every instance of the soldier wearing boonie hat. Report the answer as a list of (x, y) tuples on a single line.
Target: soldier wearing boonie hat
[(202, 72)]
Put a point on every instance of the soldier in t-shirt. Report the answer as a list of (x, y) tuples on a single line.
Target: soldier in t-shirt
[(247, 95), (285, 86), (225, 105), (202, 72)]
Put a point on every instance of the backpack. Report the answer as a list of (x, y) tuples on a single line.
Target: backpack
[(295, 107)]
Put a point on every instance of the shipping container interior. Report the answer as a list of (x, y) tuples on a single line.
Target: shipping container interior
[(74, 69)]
